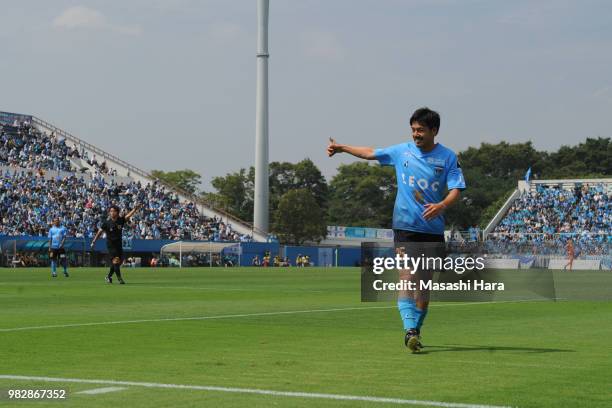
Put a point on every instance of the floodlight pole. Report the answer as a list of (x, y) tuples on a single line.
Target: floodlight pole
[(261, 203)]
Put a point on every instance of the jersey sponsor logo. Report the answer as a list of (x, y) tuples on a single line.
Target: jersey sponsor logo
[(423, 184)]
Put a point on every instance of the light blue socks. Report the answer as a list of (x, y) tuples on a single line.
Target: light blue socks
[(407, 309)]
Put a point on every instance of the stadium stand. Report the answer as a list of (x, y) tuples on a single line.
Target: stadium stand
[(46, 172), (23, 145), (543, 215), (29, 202)]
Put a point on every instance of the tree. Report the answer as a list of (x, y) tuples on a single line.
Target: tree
[(362, 195), (305, 174), (187, 180), (593, 158), (234, 193), (299, 218)]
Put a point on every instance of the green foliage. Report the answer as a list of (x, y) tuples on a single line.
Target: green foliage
[(235, 190), (234, 193), (285, 177), (298, 218), (593, 158), (187, 180), (362, 195)]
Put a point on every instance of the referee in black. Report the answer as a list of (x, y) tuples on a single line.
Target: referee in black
[(113, 227)]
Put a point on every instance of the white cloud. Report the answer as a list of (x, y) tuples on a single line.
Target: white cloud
[(322, 44), (80, 17)]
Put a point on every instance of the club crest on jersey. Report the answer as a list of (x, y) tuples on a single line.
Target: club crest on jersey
[(435, 162), (406, 163), (438, 171), (418, 196)]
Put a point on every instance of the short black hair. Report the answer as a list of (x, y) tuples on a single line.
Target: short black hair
[(114, 207), (426, 117)]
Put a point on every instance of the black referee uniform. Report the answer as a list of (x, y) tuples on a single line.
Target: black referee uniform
[(114, 243)]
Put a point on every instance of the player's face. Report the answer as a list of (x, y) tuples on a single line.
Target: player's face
[(113, 213), (56, 222), (423, 136)]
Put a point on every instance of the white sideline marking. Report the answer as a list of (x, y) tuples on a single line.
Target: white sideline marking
[(222, 289), (256, 391), (232, 316), (176, 319), (101, 390)]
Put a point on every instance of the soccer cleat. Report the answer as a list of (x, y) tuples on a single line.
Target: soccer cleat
[(108, 279), (66, 275), (54, 275), (412, 341), (121, 281)]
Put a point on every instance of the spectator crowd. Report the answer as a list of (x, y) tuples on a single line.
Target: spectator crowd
[(23, 145), (29, 202), (543, 221)]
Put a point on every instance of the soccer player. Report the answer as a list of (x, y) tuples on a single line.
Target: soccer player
[(113, 227), (57, 238), (569, 247), (423, 170)]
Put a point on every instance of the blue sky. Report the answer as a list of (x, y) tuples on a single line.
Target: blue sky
[(169, 84)]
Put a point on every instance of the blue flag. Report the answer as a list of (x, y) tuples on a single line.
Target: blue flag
[(528, 174)]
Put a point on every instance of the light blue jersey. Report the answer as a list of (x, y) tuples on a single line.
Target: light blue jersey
[(57, 234), (422, 178)]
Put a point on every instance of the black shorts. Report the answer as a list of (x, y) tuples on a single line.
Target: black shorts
[(57, 253), (115, 252), (412, 236), (419, 244)]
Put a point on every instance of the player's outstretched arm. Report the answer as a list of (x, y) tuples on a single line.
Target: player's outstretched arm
[(131, 213), (357, 151), (93, 241)]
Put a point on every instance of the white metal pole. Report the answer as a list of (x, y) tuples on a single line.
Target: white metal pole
[(180, 254), (260, 215)]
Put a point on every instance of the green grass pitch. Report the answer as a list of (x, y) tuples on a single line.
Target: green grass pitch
[(525, 354)]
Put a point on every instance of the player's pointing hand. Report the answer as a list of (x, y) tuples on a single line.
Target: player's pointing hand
[(333, 147)]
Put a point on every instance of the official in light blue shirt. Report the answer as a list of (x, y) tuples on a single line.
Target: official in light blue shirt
[(57, 234), (57, 237)]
